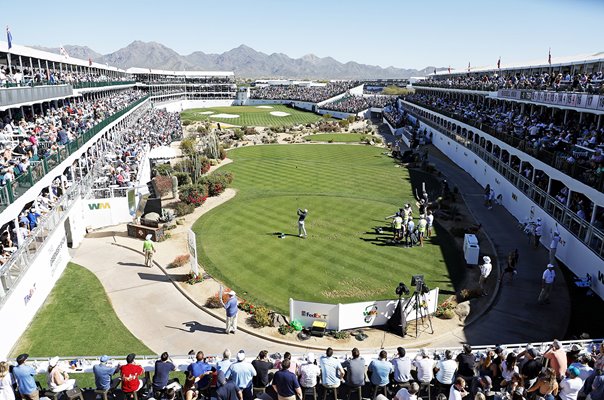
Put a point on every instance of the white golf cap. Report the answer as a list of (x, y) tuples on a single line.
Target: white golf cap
[(148, 237), (311, 357), (305, 210), (231, 293), (241, 355), (486, 259), (53, 361), (550, 265)]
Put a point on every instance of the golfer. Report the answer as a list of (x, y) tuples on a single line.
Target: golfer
[(148, 249), (231, 312), (301, 217)]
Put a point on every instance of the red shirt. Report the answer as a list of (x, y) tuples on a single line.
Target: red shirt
[(130, 374)]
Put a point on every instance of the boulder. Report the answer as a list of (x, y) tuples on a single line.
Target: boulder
[(462, 310), (278, 319)]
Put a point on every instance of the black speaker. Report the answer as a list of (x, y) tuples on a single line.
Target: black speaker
[(152, 193), (152, 205)]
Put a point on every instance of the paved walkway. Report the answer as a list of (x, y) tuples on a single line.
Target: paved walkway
[(514, 315), (156, 312)]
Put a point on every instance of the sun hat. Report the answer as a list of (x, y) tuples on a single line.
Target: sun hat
[(232, 293), (53, 361)]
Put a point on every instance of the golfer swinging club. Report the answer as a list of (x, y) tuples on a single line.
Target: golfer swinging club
[(301, 217)]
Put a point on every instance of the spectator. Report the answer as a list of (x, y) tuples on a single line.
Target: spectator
[(103, 373), (24, 376), (570, 385), (227, 390), (424, 366), (481, 384), (285, 383), (546, 385), (231, 307), (508, 368), (407, 394), (458, 389), (130, 375), (225, 363), (201, 372), (309, 372), (465, 363), (293, 366), (262, 365), (402, 367), (163, 367), (355, 371), (547, 283), (242, 372), (445, 371), (6, 382), (331, 370), (58, 379), (380, 370)]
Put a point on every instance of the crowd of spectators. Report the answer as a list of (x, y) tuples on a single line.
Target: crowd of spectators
[(580, 82), (355, 104), (312, 94), (552, 372), (536, 131), (122, 158), (27, 76), (395, 116)]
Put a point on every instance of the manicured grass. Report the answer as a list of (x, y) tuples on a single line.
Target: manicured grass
[(336, 137), (348, 191), (77, 319), (253, 115)]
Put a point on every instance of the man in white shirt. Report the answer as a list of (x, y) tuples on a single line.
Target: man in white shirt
[(570, 386), (407, 394), (309, 372), (458, 390), (424, 365), (445, 369), (485, 271), (553, 247), (547, 282), (538, 232)]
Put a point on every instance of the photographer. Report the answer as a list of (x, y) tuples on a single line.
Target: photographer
[(458, 390)]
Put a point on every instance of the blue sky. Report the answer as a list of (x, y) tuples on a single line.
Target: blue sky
[(398, 33)]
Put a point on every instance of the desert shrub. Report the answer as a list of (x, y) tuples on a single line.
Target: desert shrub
[(186, 122), (180, 260), (202, 129), (238, 133), (162, 185), (222, 153), (188, 145), (468, 294), (217, 182), (344, 123), (285, 329), (261, 316), (195, 195), (183, 178), (445, 310), (327, 116), (164, 169), (183, 208), (214, 301), (342, 335)]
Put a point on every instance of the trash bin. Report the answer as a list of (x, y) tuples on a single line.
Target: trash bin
[(471, 249)]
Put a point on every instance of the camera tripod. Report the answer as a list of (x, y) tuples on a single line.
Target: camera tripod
[(421, 312)]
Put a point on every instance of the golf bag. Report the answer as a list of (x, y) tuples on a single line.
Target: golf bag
[(414, 238)]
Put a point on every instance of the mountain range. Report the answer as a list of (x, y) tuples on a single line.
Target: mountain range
[(243, 60)]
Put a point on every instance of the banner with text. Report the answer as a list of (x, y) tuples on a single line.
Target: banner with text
[(568, 99), (358, 315), (192, 245)]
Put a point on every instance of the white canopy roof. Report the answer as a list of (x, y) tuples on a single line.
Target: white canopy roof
[(163, 152)]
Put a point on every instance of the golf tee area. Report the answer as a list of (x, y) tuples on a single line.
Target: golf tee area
[(348, 191)]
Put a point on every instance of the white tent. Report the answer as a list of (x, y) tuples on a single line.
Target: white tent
[(163, 152)]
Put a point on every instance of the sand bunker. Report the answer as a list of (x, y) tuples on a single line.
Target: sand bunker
[(264, 106), (279, 113), (206, 112), (224, 116)]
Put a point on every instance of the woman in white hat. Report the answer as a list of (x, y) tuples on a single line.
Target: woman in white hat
[(58, 380), (148, 249)]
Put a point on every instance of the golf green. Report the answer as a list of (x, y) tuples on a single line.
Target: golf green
[(348, 191), (267, 115)]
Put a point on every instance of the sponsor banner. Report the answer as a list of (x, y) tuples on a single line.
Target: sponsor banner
[(567, 99), (192, 245), (358, 315)]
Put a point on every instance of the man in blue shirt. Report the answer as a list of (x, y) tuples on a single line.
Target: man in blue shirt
[(286, 383), (163, 367), (227, 390), (331, 370), (242, 373), (24, 375), (33, 216), (201, 370), (103, 374), (231, 312), (380, 370)]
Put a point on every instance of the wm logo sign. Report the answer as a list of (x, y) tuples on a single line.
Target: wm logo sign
[(99, 206)]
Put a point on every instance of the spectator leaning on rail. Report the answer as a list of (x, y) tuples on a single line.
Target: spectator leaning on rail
[(309, 372), (103, 374), (331, 370), (242, 372), (24, 375)]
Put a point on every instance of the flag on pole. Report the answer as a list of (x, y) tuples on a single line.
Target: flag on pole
[(63, 52), (449, 69), (9, 38), (434, 71), (549, 56), (499, 63), (468, 66), (89, 62)]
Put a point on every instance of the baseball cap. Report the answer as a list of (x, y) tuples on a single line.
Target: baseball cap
[(104, 358), (311, 357), (550, 265), (148, 237), (22, 357), (486, 259), (241, 355), (232, 293), (574, 371)]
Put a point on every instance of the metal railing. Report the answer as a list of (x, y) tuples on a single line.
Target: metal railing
[(37, 170), (591, 236), (85, 85)]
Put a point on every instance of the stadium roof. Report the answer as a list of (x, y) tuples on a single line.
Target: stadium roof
[(137, 70), (556, 62)]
